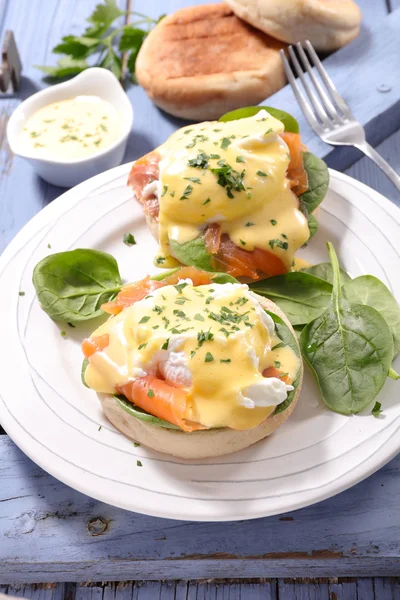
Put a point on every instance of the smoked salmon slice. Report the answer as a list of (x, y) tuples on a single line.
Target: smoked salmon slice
[(92, 345), (130, 294), (274, 372), (145, 171), (296, 172), (196, 275), (160, 399)]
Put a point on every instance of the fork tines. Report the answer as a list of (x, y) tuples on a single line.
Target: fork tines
[(324, 108)]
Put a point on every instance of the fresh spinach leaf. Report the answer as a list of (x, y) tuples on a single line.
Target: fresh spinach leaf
[(312, 226), (370, 291), (349, 348), (192, 253), (223, 278), (288, 121), (71, 286), (142, 415), (318, 182), (301, 296), (285, 335), (325, 271), (85, 365)]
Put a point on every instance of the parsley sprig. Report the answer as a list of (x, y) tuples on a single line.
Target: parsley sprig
[(106, 43)]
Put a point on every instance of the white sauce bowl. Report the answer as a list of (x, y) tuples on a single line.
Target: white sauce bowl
[(93, 82)]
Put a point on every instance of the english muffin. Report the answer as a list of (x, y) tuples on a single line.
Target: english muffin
[(203, 61), (328, 24)]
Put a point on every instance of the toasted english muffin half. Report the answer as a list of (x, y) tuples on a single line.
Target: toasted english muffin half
[(328, 24), (200, 444), (202, 61)]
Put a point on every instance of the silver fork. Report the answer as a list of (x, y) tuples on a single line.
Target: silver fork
[(326, 111)]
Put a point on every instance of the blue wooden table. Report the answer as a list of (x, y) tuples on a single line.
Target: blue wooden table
[(50, 533)]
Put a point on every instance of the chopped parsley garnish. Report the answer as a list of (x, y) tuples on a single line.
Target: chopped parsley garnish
[(208, 300), (34, 134), (229, 178), (209, 357), (129, 240), (277, 364), (71, 325), (21, 293), (273, 222), (204, 336), (198, 317), (241, 301), (377, 409), (197, 138), (262, 174), (284, 236), (225, 143), (62, 333), (136, 444), (166, 321), (142, 346), (138, 463), (49, 246), (207, 201), (180, 286), (240, 159), (165, 190), (280, 345), (249, 224), (242, 242), (165, 345), (225, 360), (217, 130), (180, 314), (158, 309), (181, 300), (193, 179), (268, 131), (100, 428), (187, 131), (144, 320), (215, 156), (172, 194), (282, 375), (249, 195), (187, 191), (150, 393), (155, 327), (160, 260), (200, 162), (279, 243)]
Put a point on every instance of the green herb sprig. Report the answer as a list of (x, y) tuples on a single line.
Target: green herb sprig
[(102, 40)]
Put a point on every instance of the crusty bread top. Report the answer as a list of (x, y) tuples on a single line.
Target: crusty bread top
[(200, 41)]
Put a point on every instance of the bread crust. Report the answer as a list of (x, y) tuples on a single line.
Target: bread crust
[(199, 444), (202, 61), (328, 25)]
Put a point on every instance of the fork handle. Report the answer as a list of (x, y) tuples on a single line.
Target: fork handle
[(382, 164)]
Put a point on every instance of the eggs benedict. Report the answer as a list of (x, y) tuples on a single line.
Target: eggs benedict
[(194, 365), (234, 196)]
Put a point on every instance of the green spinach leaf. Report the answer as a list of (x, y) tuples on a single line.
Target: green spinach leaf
[(85, 365), (325, 271), (286, 336), (318, 182), (312, 226), (301, 296), (370, 291), (192, 253), (72, 286), (142, 415), (288, 121), (349, 348)]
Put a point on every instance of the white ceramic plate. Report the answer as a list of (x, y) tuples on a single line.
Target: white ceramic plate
[(56, 421)]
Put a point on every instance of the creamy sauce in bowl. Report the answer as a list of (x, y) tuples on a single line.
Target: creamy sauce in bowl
[(72, 129)]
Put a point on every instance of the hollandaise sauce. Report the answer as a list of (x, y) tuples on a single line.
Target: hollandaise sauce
[(212, 341), (72, 129), (233, 174)]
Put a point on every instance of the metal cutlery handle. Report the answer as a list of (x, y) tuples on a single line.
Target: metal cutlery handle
[(381, 162)]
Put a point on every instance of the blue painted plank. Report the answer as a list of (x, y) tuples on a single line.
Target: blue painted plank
[(45, 525), (366, 171), (387, 589)]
